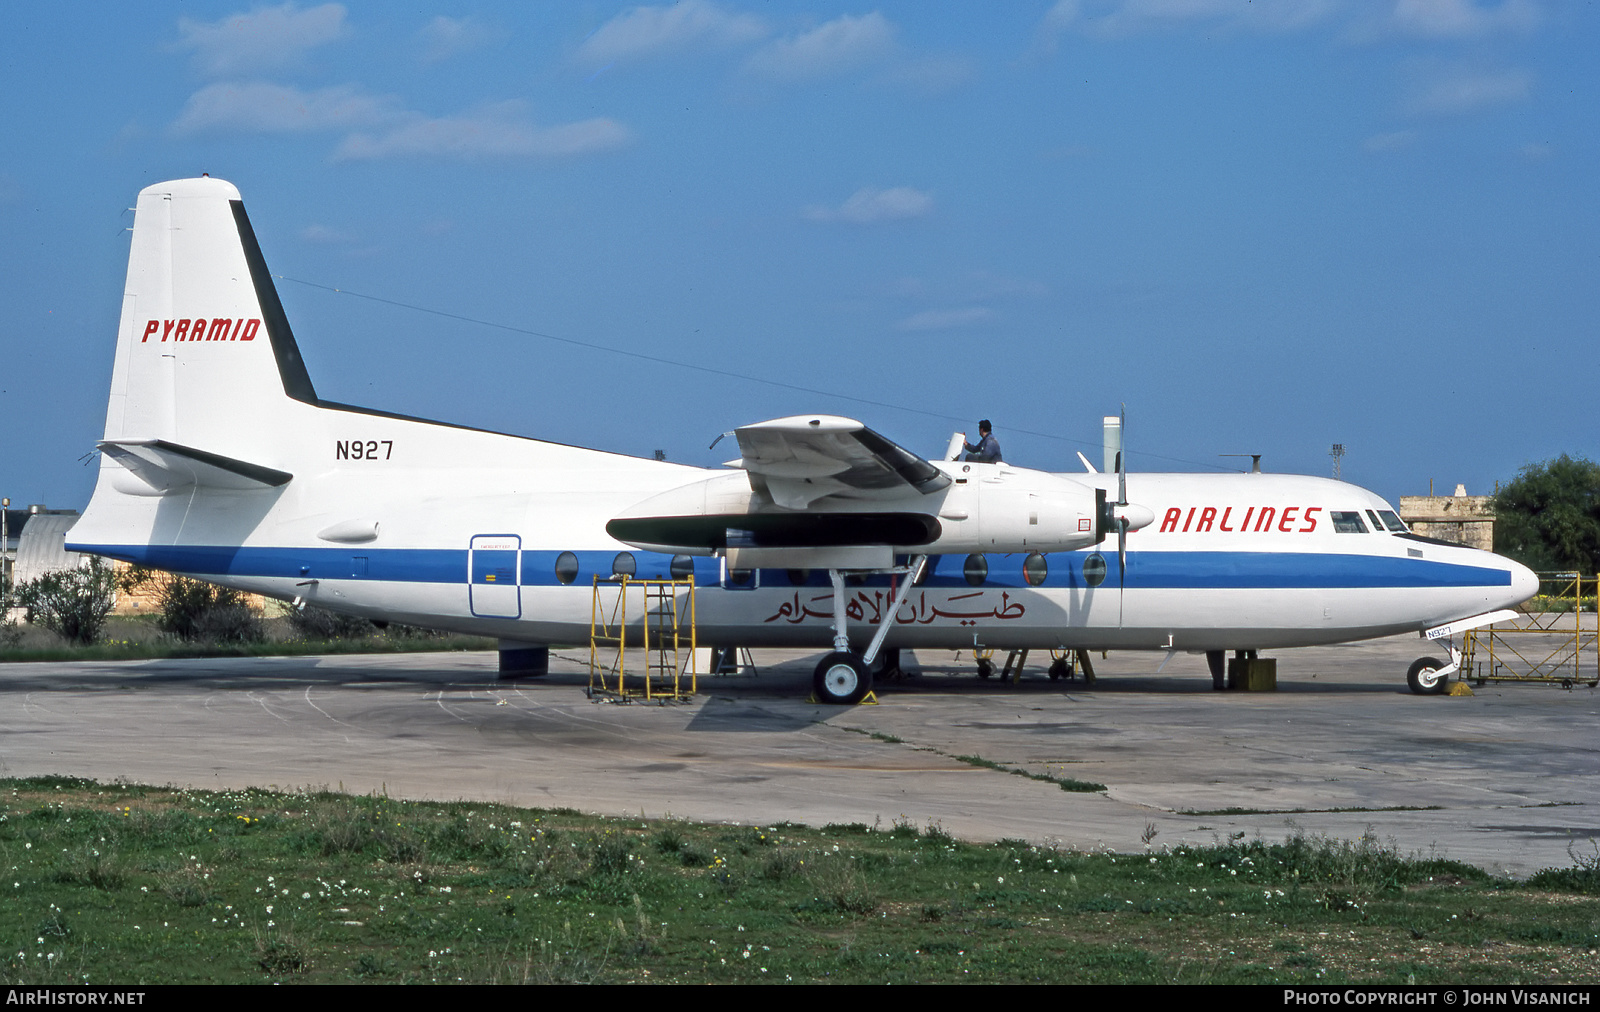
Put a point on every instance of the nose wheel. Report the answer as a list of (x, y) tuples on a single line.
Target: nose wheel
[(1428, 676)]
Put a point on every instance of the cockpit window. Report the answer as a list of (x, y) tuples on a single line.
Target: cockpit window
[(1347, 523), (1392, 522), (1377, 524)]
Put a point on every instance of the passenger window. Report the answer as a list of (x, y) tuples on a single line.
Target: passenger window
[(624, 565), (976, 570), (1347, 523), (682, 567), (566, 567), (1035, 569), (1094, 570)]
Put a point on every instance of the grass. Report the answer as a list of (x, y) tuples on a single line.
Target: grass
[(137, 638), (1306, 811), (1066, 783), (120, 883), (132, 650)]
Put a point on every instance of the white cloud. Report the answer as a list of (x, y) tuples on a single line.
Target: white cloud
[(324, 235), (868, 205), (501, 131), (646, 31), (261, 107), (1119, 18), (844, 44), (933, 75), (266, 37), (1468, 91), (377, 126), (443, 38), (946, 319), (1392, 141), (1462, 19)]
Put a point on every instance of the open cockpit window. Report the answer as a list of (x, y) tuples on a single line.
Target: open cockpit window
[(1394, 523), (1347, 523)]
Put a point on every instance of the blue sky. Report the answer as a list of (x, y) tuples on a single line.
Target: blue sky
[(1262, 227)]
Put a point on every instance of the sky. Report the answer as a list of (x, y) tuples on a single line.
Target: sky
[(1255, 227)]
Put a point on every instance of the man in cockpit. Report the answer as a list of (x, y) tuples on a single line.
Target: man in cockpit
[(987, 450)]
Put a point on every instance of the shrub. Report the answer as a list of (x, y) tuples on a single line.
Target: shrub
[(195, 610), (313, 623), (72, 603)]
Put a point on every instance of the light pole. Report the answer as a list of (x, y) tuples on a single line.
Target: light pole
[(5, 562)]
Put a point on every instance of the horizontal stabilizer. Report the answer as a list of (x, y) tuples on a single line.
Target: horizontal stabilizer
[(168, 467)]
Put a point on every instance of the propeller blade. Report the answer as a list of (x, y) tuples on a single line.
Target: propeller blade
[(1122, 564), (1122, 518), (1122, 470)]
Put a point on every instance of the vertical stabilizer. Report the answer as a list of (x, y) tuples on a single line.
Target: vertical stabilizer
[(205, 358)]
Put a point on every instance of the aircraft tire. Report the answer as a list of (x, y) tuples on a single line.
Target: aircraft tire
[(1424, 677), (842, 679), (985, 667)]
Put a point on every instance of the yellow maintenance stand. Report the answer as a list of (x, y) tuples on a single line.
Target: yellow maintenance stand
[(642, 640), (1554, 639)]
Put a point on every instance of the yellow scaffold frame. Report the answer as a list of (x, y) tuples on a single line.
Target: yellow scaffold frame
[(1543, 645), (643, 617)]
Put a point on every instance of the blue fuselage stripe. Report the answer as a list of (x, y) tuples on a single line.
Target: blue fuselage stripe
[(1147, 570)]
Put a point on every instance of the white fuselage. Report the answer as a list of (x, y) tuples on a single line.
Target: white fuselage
[(1231, 562)]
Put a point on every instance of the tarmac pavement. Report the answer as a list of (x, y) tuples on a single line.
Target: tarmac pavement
[(1506, 779)]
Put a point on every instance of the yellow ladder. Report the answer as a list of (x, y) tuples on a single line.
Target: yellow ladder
[(642, 631)]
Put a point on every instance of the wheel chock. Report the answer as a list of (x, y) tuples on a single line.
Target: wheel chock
[(1460, 689)]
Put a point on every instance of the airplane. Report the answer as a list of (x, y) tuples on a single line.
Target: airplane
[(221, 462)]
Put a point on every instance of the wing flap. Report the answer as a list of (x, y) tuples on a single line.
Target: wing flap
[(803, 458)]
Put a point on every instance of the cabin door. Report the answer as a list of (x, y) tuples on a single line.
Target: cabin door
[(494, 573)]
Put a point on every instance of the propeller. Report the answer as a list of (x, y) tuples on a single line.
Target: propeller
[(1121, 514)]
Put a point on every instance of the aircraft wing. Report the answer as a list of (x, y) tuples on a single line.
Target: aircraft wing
[(802, 458)]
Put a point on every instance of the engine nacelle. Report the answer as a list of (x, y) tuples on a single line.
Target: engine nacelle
[(985, 508), (1000, 508)]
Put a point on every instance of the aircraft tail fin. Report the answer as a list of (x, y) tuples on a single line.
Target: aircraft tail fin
[(205, 361)]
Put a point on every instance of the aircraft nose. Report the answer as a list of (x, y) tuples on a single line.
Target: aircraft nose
[(1524, 582)]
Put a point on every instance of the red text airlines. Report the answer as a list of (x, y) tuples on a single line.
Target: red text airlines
[(1293, 519)]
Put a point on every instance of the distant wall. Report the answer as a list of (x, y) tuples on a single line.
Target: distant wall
[(146, 600), (1462, 519)]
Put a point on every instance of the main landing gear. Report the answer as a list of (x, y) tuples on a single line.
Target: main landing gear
[(844, 677)]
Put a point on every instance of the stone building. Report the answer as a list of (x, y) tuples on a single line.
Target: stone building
[(1461, 519)]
